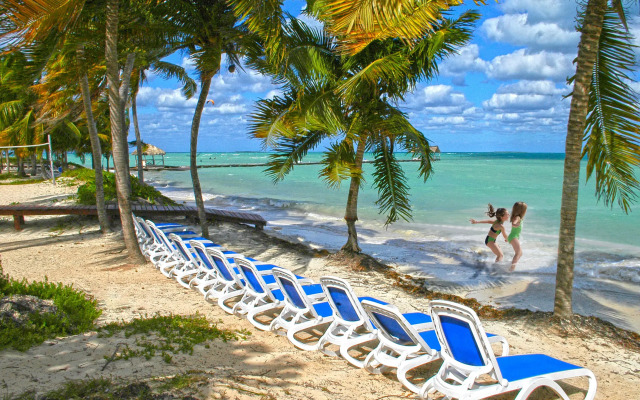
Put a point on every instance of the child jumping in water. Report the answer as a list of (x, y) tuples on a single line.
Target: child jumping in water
[(517, 215), (501, 215)]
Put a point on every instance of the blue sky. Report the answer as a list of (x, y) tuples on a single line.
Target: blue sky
[(502, 92)]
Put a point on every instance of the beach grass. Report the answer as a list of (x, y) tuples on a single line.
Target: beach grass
[(167, 335), (76, 313)]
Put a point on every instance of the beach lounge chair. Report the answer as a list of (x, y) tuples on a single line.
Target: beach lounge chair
[(160, 250), (170, 256), (304, 308), (351, 326), (224, 283), (261, 295), (467, 354), (406, 341), (148, 245), (185, 271)]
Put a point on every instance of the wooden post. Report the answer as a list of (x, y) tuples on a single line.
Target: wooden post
[(53, 175)]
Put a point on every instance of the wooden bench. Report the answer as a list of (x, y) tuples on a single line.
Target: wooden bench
[(18, 211)]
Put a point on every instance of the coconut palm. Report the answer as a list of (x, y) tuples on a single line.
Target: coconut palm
[(206, 29), (152, 61), (348, 100), (604, 116)]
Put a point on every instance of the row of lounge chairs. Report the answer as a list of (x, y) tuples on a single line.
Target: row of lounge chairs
[(365, 331)]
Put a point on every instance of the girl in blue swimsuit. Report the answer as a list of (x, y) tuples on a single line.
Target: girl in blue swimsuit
[(501, 216)]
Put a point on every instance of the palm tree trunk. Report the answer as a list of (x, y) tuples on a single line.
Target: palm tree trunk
[(193, 164), (134, 112), (34, 163), (96, 151), (118, 137), (587, 53), (351, 212)]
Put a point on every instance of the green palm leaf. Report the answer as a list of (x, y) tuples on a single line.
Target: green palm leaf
[(168, 70), (391, 182), (290, 151), (339, 164), (612, 136)]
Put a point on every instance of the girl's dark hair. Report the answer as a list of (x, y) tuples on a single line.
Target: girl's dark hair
[(499, 213), (519, 210)]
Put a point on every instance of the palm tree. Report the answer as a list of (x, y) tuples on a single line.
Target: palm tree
[(151, 60), (604, 111), (207, 29), (118, 89), (348, 100), (60, 25)]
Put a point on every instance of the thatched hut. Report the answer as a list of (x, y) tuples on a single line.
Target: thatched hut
[(150, 150), (436, 152)]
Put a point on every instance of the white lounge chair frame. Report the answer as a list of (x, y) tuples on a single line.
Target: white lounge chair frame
[(301, 310), (351, 326)]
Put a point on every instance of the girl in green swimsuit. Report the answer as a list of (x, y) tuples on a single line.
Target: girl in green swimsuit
[(501, 215), (517, 216)]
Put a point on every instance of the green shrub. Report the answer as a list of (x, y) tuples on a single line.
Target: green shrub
[(87, 191), (76, 313)]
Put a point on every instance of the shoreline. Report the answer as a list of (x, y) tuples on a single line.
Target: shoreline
[(71, 250), (610, 300)]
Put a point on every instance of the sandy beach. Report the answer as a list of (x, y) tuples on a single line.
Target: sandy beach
[(72, 251)]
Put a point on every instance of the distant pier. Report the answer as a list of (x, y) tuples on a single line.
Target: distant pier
[(250, 165)]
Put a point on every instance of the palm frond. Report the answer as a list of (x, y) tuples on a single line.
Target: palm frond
[(272, 119), (169, 70), (290, 151), (339, 163), (392, 68), (612, 132), (390, 181), (357, 23)]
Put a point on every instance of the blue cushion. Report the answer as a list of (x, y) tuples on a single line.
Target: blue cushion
[(277, 293), (431, 339), (417, 318), (310, 290), (525, 366), (182, 233), (323, 309)]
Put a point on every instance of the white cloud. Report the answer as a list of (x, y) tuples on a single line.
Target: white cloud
[(531, 87), (467, 60), (524, 96), (538, 66), (562, 12), (175, 99), (516, 102), (457, 120), (517, 30)]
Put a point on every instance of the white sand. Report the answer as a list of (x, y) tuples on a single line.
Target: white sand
[(71, 250)]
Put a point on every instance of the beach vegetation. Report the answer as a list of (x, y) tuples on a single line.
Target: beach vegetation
[(350, 102), (75, 312), (604, 122), (87, 190), (166, 335)]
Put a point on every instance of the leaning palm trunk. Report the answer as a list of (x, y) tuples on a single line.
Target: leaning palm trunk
[(118, 137), (134, 112), (351, 212), (587, 53), (195, 127), (96, 151)]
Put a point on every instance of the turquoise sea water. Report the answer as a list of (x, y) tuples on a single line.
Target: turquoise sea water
[(439, 238)]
